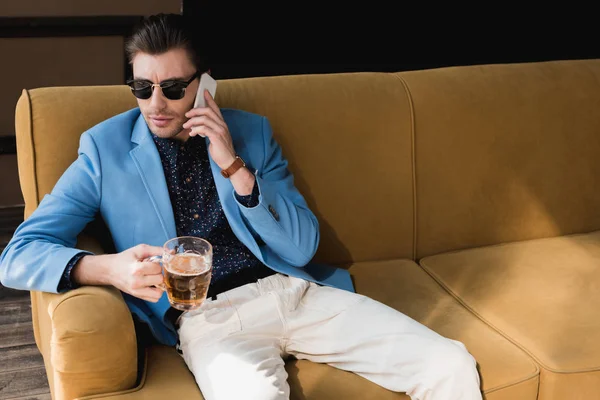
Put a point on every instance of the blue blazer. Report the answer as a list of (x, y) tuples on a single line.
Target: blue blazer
[(118, 174)]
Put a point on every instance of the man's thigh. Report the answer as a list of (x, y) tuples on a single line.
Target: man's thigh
[(231, 357), (356, 333), (338, 319)]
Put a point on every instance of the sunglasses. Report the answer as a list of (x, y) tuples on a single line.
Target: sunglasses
[(172, 90)]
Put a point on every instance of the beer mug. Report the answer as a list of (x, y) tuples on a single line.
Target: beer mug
[(187, 270)]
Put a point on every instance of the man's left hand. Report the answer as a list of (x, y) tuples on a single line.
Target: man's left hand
[(208, 121)]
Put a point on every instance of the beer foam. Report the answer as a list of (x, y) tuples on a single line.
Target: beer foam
[(188, 264)]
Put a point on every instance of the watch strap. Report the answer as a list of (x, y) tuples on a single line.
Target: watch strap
[(232, 169)]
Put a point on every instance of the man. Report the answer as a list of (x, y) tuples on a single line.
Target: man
[(154, 173)]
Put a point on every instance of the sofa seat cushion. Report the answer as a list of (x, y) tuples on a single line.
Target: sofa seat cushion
[(507, 373), (312, 381), (544, 296)]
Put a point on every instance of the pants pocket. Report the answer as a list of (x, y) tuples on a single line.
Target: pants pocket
[(212, 322), (328, 300)]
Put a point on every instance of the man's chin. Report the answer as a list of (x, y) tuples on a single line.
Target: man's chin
[(166, 132)]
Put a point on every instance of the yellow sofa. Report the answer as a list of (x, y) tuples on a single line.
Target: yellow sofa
[(466, 197)]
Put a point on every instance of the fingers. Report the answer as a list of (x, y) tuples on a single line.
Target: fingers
[(150, 280), (148, 268), (142, 251), (206, 124), (207, 111), (210, 130), (149, 293), (203, 131), (203, 120), (147, 281)]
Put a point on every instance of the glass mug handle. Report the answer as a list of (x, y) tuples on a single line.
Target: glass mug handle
[(157, 259)]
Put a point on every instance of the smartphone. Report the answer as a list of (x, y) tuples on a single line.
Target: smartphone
[(206, 83)]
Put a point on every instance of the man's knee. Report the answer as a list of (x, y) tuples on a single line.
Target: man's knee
[(232, 378), (260, 389), (451, 361)]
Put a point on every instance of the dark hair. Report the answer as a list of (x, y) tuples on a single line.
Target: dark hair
[(160, 33)]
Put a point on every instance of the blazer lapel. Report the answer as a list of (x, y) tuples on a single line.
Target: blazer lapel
[(147, 161)]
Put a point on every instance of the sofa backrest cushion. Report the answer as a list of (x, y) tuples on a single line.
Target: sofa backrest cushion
[(348, 140), (505, 152)]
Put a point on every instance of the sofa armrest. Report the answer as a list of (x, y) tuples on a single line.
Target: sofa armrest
[(93, 346)]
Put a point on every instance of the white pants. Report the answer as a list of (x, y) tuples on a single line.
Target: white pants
[(236, 345)]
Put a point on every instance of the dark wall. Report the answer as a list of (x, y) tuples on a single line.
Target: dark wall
[(246, 39), (245, 69)]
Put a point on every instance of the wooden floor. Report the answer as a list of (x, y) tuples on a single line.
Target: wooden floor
[(22, 373)]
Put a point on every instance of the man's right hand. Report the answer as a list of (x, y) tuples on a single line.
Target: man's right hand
[(125, 270)]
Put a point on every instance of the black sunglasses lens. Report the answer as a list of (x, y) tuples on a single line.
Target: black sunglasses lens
[(171, 90), (174, 92), (143, 93)]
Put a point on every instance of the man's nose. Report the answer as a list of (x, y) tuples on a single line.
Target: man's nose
[(158, 99)]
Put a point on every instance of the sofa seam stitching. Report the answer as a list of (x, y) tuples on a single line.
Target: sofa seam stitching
[(513, 384), (33, 153), (413, 161)]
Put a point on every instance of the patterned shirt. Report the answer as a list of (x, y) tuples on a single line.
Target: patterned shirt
[(198, 212)]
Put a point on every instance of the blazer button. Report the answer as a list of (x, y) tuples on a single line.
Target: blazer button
[(273, 212)]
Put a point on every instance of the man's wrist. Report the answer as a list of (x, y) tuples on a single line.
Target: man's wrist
[(251, 200), (243, 181), (93, 270), (67, 281), (233, 167)]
